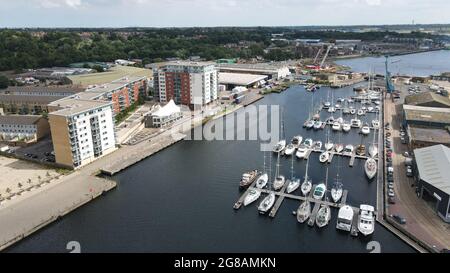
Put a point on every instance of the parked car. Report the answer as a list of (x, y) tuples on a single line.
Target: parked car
[(391, 186), (409, 171), (390, 170), (34, 156), (391, 193), (398, 219), (403, 140), (391, 200)]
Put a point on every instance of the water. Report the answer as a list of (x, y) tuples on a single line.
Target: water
[(422, 64), (181, 199)]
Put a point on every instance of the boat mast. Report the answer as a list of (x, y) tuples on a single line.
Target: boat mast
[(307, 167), (292, 168)]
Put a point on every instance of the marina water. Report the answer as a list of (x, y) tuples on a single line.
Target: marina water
[(181, 199)]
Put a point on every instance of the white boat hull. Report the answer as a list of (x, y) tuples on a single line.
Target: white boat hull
[(262, 181), (267, 203), (370, 168), (336, 194), (304, 212), (279, 183), (324, 157), (293, 186), (323, 216), (252, 197)]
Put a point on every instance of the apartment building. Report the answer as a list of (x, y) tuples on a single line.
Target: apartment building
[(187, 83), (82, 131), (23, 128)]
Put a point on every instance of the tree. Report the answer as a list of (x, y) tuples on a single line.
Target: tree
[(98, 68), (4, 82)]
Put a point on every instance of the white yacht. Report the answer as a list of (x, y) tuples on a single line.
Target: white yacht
[(309, 143), (267, 203), (356, 123), (340, 120), (370, 167), (323, 216), (324, 157), (290, 149), (339, 148), (280, 146), (326, 105), (262, 181), (346, 127), (349, 150), (361, 112), (366, 220), (278, 183), (365, 130), (336, 126), (330, 120), (296, 141), (301, 152), (317, 125), (303, 212), (331, 109), (345, 218), (293, 185), (252, 196), (329, 146), (307, 183), (336, 192), (319, 191), (309, 124), (373, 150), (376, 124), (370, 109)]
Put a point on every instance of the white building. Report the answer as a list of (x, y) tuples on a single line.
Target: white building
[(82, 131), (164, 116), (187, 83)]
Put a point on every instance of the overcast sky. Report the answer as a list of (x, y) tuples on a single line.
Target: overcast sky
[(185, 13)]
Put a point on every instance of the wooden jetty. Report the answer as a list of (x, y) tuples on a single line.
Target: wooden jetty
[(353, 156), (239, 203), (312, 218), (279, 201), (354, 231)]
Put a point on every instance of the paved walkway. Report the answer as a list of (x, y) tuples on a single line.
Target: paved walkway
[(422, 220)]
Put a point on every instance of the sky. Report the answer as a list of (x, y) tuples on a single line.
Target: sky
[(207, 13)]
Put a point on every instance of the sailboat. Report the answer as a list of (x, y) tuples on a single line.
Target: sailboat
[(324, 213), (307, 183), (281, 145), (267, 203), (324, 157), (370, 168), (304, 211), (279, 179), (339, 148), (373, 148), (337, 189), (329, 144), (294, 183), (262, 180), (252, 196)]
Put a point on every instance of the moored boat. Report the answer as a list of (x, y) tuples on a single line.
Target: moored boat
[(366, 220), (303, 212), (248, 178), (324, 157), (267, 203), (345, 218), (252, 196), (370, 168), (280, 146)]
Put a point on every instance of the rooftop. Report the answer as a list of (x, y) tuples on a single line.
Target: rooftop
[(184, 63), (258, 66), (427, 114), (19, 119), (167, 110), (432, 163), (112, 74), (27, 99), (48, 89), (427, 97), (438, 136), (240, 79), (71, 107)]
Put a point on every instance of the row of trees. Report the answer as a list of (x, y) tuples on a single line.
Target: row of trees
[(23, 50)]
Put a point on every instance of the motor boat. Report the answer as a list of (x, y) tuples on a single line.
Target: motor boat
[(290, 149), (337, 106), (296, 141), (329, 146), (365, 130), (331, 109), (319, 191), (346, 111), (366, 220), (267, 203), (318, 145), (293, 185), (361, 150), (262, 181), (326, 105), (340, 120), (252, 196), (361, 112), (324, 157), (309, 124), (356, 123), (376, 124), (336, 126), (317, 125), (370, 168), (248, 178), (279, 147), (323, 216), (301, 151), (279, 182), (339, 148), (308, 143), (303, 212), (345, 218), (336, 192), (370, 109), (373, 150), (352, 111), (346, 127), (351, 100), (348, 150)]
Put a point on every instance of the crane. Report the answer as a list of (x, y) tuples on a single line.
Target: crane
[(325, 57), (390, 88)]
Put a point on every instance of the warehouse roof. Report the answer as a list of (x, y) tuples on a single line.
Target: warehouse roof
[(47, 89), (438, 136), (112, 74), (19, 119), (240, 79), (427, 97), (432, 163), (27, 99), (427, 114)]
